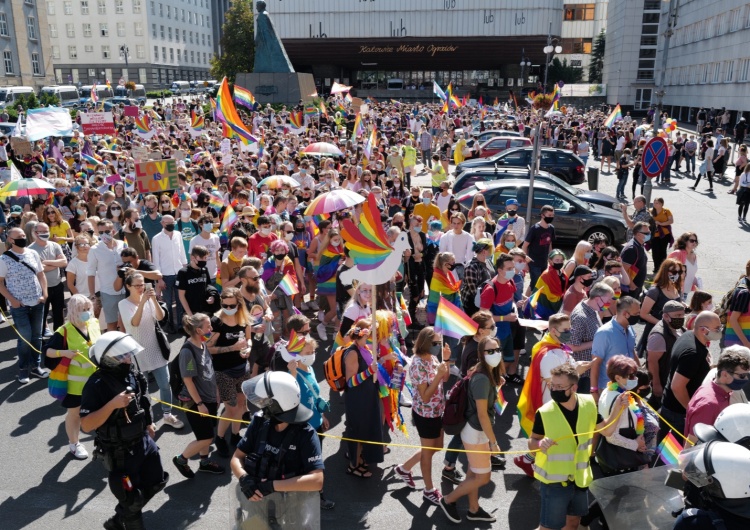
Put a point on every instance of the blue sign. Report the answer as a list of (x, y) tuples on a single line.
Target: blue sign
[(655, 157)]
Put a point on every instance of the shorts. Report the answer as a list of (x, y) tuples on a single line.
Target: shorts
[(506, 345), (559, 501), (109, 306), (71, 401), (427, 428), (475, 440), (202, 426), (519, 336), (230, 386)]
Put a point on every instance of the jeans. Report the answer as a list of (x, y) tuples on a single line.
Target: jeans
[(56, 299), (621, 181), (29, 321), (426, 156), (170, 297), (165, 391), (451, 457), (690, 163)]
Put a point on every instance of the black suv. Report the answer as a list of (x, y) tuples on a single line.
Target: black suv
[(558, 162)]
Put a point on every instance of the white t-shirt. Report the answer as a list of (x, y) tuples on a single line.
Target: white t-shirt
[(442, 202), (213, 245), (78, 267), (552, 359)]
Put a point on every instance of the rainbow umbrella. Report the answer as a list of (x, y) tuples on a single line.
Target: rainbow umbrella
[(26, 187), (275, 182), (322, 148), (334, 201)]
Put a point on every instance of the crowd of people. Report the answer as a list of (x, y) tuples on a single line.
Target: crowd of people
[(142, 262)]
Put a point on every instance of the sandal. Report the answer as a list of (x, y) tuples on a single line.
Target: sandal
[(386, 450), (360, 471)]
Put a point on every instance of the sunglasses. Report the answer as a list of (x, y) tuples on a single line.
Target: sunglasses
[(692, 240), (105, 232), (228, 306), (253, 278)]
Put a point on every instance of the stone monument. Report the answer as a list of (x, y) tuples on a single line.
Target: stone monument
[(273, 79)]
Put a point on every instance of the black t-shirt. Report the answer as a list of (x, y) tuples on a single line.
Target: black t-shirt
[(622, 167), (302, 456), (194, 282), (570, 415), (689, 359), (541, 241), (342, 295), (634, 255), (740, 300), (228, 335), (469, 356)]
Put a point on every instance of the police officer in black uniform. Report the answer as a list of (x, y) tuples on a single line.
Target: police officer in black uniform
[(115, 403), (280, 450)]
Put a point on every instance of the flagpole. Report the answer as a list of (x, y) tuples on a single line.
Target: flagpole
[(373, 310)]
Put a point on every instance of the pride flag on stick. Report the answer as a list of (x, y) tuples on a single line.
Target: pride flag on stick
[(288, 285), (500, 402), (614, 117), (451, 321), (669, 449)]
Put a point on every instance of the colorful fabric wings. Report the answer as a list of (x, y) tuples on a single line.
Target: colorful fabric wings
[(368, 245)]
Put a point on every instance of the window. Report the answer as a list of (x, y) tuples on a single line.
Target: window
[(72, 52), (176, 35), (743, 70), (191, 37), (103, 29), (579, 12), (70, 30), (648, 41), (735, 19), (161, 9), (203, 39), (8, 60), (4, 26), (205, 61), (169, 32), (164, 54), (137, 6), (161, 32), (192, 56), (650, 18), (153, 30), (50, 8), (692, 75), (651, 5), (169, 12), (55, 52), (716, 72), (120, 7), (84, 7), (138, 28), (171, 55), (645, 75), (708, 28), (576, 45), (156, 53), (121, 29), (642, 98), (142, 76), (178, 55), (153, 11), (92, 72), (36, 68), (184, 35), (68, 7), (705, 72), (86, 30), (105, 52), (182, 11), (31, 27), (101, 7), (721, 24), (88, 48), (52, 31), (728, 71), (140, 51)]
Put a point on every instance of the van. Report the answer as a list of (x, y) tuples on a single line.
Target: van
[(179, 88), (9, 94), (395, 84), (67, 94), (102, 92), (139, 94)]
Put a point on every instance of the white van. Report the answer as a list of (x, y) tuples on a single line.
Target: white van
[(67, 94), (102, 92), (180, 88), (395, 84), (138, 94), (9, 94)]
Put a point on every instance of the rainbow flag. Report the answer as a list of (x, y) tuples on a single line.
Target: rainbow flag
[(57, 384), (296, 119), (370, 143), (358, 129), (230, 217), (91, 163), (107, 84), (229, 113), (94, 95), (197, 122), (244, 97), (615, 116), (288, 285), (438, 91), (216, 202), (311, 110), (296, 342), (555, 96), (500, 402), (218, 279), (404, 309), (669, 449), (451, 321), (348, 97), (323, 110)]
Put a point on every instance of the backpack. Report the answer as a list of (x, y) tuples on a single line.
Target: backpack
[(723, 308), (454, 417), (334, 369), (482, 286), (176, 384)]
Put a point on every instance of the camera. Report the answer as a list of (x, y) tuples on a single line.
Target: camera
[(122, 270)]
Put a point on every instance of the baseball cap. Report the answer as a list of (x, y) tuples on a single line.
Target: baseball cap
[(16, 210), (673, 306), (512, 202)]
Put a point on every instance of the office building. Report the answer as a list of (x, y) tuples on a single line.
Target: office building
[(25, 44)]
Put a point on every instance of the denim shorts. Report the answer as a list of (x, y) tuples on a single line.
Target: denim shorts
[(559, 501)]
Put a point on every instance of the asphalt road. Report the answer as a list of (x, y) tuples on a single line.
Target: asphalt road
[(41, 487)]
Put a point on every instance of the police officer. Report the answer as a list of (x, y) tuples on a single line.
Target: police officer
[(280, 450), (115, 403)]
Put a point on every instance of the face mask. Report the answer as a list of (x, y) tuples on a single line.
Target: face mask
[(548, 220), (557, 266), (230, 312), (737, 384), (116, 213), (85, 316), (564, 337), (435, 350), (644, 393), (587, 255), (185, 215), (200, 263), (107, 238), (418, 229), (631, 384), (519, 266), (90, 232), (712, 335), (137, 225), (265, 231), (646, 238), (605, 307), (288, 237), (494, 359), (510, 244), (307, 360), (560, 396), (279, 257), (676, 323), (674, 277), (169, 227), (510, 274), (634, 319), (511, 213), (43, 237), (302, 171), (335, 242), (207, 227), (450, 266), (204, 338), (588, 283), (426, 201), (80, 212), (103, 214)]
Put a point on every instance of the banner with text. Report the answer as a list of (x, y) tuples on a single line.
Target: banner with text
[(97, 123), (156, 176)]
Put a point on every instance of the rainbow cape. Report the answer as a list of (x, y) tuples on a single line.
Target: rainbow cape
[(229, 114), (442, 286), (244, 97), (451, 321), (530, 398), (614, 116), (57, 383), (547, 299), (288, 285), (325, 273), (500, 402), (669, 449)]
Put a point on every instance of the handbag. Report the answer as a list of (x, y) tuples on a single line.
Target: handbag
[(613, 458), (162, 340), (57, 383)]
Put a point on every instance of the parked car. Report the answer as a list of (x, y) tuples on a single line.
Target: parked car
[(7, 128), (499, 144), (575, 219), (113, 102), (559, 162), (489, 176), (493, 133)]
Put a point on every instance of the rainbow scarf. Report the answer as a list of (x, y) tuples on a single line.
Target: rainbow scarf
[(547, 299), (531, 396), (445, 286), (640, 423), (325, 272)]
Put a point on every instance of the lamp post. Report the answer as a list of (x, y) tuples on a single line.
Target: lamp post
[(525, 63), (548, 50), (124, 53), (674, 7)]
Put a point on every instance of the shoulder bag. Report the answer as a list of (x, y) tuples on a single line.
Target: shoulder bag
[(613, 458)]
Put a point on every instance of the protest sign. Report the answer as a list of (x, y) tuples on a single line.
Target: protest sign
[(97, 123), (139, 153), (156, 176), (20, 146), (131, 110)]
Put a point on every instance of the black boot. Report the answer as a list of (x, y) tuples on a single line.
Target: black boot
[(113, 523)]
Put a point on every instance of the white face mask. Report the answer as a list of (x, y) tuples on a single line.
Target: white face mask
[(494, 359), (630, 384), (265, 231), (307, 360), (230, 312), (185, 214), (288, 237)]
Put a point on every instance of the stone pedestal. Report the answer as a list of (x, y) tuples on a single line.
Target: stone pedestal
[(284, 88)]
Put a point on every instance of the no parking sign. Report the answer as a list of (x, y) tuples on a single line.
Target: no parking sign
[(655, 157)]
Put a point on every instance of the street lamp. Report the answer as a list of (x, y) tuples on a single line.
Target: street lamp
[(674, 8), (124, 53), (525, 63)]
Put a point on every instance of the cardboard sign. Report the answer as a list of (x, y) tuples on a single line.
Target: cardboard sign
[(131, 110), (155, 155), (139, 153), (97, 123), (179, 155), (156, 176), (20, 146)]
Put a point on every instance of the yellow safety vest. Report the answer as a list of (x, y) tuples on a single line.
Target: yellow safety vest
[(80, 369), (568, 460)]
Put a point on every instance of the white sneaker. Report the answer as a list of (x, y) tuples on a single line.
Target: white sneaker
[(321, 316), (173, 421), (78, 451), (404, 399), (455, 371), (304, 306), (2, 318), (322, 331), (312, 304)]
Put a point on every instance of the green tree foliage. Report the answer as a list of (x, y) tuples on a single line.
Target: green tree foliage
[(560, 71), (237, 43), (48, 98), (597, 58)]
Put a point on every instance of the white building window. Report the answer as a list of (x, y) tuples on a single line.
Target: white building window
[(105, 52), (138, 29), (55, 51), (179, 55), (52, 30), (161, 32), (709, 25), (169, 32), (704, 73), (84, 7), (735, 19), (140, 51), (176, 35), (153, 9), (728, 71), (86, 30), (8, 61), (137, 6), (153, 30), (182, 11), (161, 9), (693, 75), (101, 7), (88, 48), (156, 53), (72, 52), (4, 25), (50, 8), (171, 55), (103, 30), (58, 76), (120, 7), (70, 30), (716, 72), (68, 7), (31, 27), (169, 12), (743, 70), (203, 39), (121, 29), (92, 72), (164, 54), (142, 75), (35, 64)]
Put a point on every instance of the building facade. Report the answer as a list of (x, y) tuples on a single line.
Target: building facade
[(581, 24), (151, 42), (24, 43)]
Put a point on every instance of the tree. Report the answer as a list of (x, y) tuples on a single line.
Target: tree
[(560, 71), (237, 42), (596, 66)]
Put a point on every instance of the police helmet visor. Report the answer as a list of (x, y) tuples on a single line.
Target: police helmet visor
[(692, 466), (258, 391)]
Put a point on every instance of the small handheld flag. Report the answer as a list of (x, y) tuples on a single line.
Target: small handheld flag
[(669, 449), (288, 285), (500, 402), (451, 321), (615, 116)]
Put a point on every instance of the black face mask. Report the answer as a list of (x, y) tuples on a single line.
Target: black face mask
[(512, 213), (169, 227), (20, 243), (676, 323), (201, 263), (559, 396), (451, 266), (588, 283), (279, 257), (644, 393), (549, 220), (634, 319), (299, 229), (557, 266)]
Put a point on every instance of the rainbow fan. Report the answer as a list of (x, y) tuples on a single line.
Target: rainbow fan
[(143, 126), (296, 119), (296, 342), (197, 123), (369, 245)]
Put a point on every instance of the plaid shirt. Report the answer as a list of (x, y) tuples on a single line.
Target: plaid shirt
[(641, 215), (584, 321), (475, 274)]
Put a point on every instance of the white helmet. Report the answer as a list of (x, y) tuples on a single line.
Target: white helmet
[(278, 395), (113, 349), (731, 425)]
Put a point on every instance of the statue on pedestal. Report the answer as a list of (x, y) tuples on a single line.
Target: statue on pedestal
[(270, 55)]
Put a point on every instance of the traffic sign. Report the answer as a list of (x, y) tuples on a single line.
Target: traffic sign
[(655, 157), (121, 82)]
